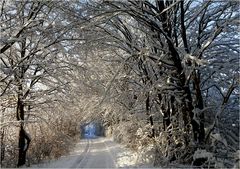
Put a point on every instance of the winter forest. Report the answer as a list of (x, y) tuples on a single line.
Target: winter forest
[(161, 77)]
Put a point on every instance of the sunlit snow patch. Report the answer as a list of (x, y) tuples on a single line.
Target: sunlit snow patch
[(126, 159)]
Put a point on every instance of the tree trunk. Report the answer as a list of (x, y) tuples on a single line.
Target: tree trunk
[(2, 139), (21, 146), (199, 104), (24, 139)]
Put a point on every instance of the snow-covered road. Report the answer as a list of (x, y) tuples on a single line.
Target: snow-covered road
[(96, 155), (97, 152)]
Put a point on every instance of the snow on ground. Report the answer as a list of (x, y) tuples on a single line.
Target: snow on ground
[(123, 157), (97, 152)]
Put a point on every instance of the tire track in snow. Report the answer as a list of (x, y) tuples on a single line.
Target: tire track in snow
[(82, 156)]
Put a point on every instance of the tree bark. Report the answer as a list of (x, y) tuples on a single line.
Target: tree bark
[(24, 139), (199, 104), (2, 139)]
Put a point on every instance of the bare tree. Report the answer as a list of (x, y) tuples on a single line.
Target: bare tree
[(31, 59)]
